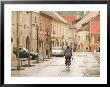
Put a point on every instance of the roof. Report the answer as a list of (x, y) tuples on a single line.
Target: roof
[(86, 18), (55, 16), (70, 18)]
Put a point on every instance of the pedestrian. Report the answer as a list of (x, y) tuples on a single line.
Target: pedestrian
[(68, 54)]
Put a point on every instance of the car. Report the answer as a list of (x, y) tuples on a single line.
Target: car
[(34, 55), (64, 47), (57, 51), (24, 53)]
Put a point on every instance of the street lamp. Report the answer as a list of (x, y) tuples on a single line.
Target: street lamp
[(62, 40), (89, 43), (53, 38), (47, 42), (37, 28)]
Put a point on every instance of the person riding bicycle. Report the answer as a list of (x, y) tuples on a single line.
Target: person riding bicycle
[(68, 54)]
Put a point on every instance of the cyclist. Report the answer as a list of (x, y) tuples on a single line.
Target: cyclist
[(68, 54)]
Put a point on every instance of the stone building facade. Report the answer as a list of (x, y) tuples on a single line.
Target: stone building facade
[(24, 27)]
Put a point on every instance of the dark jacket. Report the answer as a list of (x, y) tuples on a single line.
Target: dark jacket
[(68, 53)]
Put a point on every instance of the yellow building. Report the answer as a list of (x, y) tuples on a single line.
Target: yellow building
[(60, 31)]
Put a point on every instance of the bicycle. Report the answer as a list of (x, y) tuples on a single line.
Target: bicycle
[(68, 63)]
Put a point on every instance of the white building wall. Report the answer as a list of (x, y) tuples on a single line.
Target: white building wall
[(82, 43)]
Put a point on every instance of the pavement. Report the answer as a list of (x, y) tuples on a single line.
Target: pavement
[(84, 64), (97, 56)]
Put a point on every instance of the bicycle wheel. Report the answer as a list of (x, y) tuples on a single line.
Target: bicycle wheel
[(68, 64)]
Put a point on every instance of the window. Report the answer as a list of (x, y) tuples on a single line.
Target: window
[(24, 26), (87, 37), (11, 39), (41, 26), (35, 19), (98, 38), (60, 29), (53, 32), (79, 38), (51, 28), (75, 35)]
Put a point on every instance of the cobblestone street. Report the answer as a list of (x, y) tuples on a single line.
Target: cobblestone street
[(83, 65)]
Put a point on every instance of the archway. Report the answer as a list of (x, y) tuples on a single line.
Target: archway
[(27, 42)]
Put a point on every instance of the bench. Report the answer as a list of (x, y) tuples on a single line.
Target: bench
[(25, 60)]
